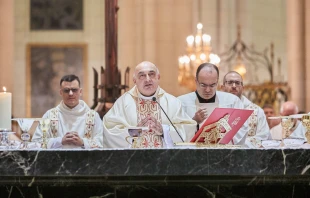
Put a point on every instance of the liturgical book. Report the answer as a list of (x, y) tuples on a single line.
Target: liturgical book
[(235, 119)]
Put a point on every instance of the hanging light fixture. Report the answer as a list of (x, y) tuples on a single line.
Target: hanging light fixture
[(198, 51), (246, 61)]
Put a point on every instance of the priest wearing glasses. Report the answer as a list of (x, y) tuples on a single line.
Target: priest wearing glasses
[(73, 123), (200, 104), (258, 126)]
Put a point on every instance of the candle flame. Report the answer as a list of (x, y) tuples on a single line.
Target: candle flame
[(4, 89)]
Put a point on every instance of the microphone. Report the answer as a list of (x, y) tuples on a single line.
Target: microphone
[(154, 99)]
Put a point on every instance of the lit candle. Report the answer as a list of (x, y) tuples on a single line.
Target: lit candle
[(190, 41), (5, 109), (206, 39)]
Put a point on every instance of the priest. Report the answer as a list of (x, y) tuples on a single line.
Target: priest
[(73, 123), (141, 107), (296, 131), (200, 104), (258, 126)]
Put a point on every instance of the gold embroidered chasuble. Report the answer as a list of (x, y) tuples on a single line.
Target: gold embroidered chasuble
[(131, 108), (81, 119), (149, 115)]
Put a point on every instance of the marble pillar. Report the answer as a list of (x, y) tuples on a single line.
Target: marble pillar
[(295, 51), (307, 56), (6, 44)]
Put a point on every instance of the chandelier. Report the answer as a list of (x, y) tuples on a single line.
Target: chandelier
[(198, 51), (247, 61)]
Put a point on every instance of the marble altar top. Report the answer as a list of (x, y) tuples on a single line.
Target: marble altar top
[(155, 162)]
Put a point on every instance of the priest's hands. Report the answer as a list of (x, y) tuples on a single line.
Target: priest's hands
[(72, 138), (200, 115), (154, 126)]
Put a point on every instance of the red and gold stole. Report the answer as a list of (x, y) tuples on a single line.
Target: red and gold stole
[(149, 108)]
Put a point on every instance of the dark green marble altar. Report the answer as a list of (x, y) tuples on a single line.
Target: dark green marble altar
[(155, 173)]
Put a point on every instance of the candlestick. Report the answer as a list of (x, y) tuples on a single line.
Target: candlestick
[(5, 109)]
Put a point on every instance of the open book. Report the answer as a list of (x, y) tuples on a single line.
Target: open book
[(231, 121)]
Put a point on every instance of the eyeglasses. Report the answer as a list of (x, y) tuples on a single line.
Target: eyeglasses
[(232, 82), (142, 76), (203, 86), (67, 90)]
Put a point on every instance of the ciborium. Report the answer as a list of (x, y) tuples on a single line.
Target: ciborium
[(306, 123), (25, 124), (287, 124)]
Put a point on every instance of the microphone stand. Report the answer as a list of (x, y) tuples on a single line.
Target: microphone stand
[(154, 99)]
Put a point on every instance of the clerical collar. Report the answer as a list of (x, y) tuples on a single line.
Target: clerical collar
[(202, 100), (76, 108), (146, 97)]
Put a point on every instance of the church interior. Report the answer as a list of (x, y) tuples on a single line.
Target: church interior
[(102, 42), (156, 31)]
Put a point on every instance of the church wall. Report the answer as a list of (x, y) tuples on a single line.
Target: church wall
[(6, 45), (266, 24), (154, 30), (92, 35), (262, 22)]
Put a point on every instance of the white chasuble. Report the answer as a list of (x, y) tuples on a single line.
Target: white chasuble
[(258, 126), (80, 119), (126, 113), (209, 106)]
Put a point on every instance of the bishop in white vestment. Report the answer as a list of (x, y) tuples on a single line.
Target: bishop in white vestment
[(73, 123), (137, 108)]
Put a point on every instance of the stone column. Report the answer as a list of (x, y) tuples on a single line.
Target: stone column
[(295, 51), (307, 56), (6, 44)]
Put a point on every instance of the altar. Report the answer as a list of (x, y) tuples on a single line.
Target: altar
[(187, 172)]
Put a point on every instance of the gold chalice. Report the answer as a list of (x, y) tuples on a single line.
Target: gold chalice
[(306, 122), (287, 124)]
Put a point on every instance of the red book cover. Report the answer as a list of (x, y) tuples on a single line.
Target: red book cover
[(237, 118)]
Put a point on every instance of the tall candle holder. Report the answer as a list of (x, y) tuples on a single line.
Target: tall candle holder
[(44, 126), (306, 123)]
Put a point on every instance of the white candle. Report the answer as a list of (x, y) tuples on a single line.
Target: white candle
[(5, 109)]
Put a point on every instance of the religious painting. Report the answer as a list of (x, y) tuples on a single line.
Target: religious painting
[(56, 14), (46, 65)]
